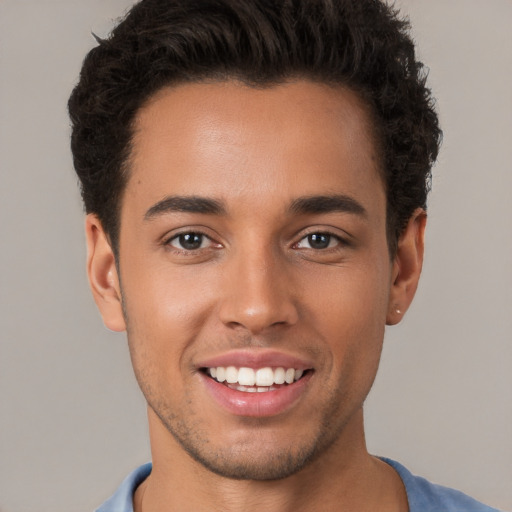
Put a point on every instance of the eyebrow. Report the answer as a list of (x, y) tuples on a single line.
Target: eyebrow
[(189, 204), (301, 205), (327, 204)]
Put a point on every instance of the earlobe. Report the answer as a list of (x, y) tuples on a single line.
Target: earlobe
[(102, 273), (407, 267)]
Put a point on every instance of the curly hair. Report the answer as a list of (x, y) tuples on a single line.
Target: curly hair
[(361, 44)]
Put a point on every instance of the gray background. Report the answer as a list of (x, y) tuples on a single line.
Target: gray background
[(72, 421)]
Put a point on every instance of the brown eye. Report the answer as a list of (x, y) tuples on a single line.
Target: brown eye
[(318, 241), (189, 241)]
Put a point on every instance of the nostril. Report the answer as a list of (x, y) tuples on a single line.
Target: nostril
[(257, 321)]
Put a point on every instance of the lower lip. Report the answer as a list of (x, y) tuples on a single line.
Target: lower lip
[(269, 403)]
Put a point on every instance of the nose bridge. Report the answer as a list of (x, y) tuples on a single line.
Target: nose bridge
[(259, 291)]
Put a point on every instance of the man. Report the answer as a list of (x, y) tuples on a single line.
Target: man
[(255, 175)]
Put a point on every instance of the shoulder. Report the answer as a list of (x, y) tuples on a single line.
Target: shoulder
[(122, 499), (424, 496)]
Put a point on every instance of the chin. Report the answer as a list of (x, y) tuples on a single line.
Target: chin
[(263, 467), (265, 456)]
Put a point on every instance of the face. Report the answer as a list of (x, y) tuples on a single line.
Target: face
[(254, 271)]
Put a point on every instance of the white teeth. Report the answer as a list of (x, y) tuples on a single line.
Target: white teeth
[(265, 377), (221, 374), (251, 381), (231, 374), (279, 376), (246, 377)]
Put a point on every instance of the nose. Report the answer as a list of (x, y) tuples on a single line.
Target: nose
[(259, 292)]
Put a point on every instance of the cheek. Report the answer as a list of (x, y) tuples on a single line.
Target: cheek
[(161, 325), (350, 298), (164, 313), (350, 313)]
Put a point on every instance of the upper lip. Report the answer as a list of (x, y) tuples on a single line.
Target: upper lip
[(256, 359)]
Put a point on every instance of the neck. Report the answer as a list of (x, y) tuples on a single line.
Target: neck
[(344, 477)]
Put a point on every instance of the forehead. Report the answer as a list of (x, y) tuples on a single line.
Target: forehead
[(231, 141)]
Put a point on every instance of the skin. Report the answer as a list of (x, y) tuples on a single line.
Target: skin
[(256, 283)]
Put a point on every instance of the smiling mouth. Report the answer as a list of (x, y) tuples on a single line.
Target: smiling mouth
[(260, 380)]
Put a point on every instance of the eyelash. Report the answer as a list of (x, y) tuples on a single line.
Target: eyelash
[(340, 242), (194, 233)]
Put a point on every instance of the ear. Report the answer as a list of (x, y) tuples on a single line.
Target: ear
[(407, 267), (102, 273)]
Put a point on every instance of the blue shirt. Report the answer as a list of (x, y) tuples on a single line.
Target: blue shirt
[(422, 495)]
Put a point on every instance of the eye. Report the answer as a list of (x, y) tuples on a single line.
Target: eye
[(191, 241), (318, 241)]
